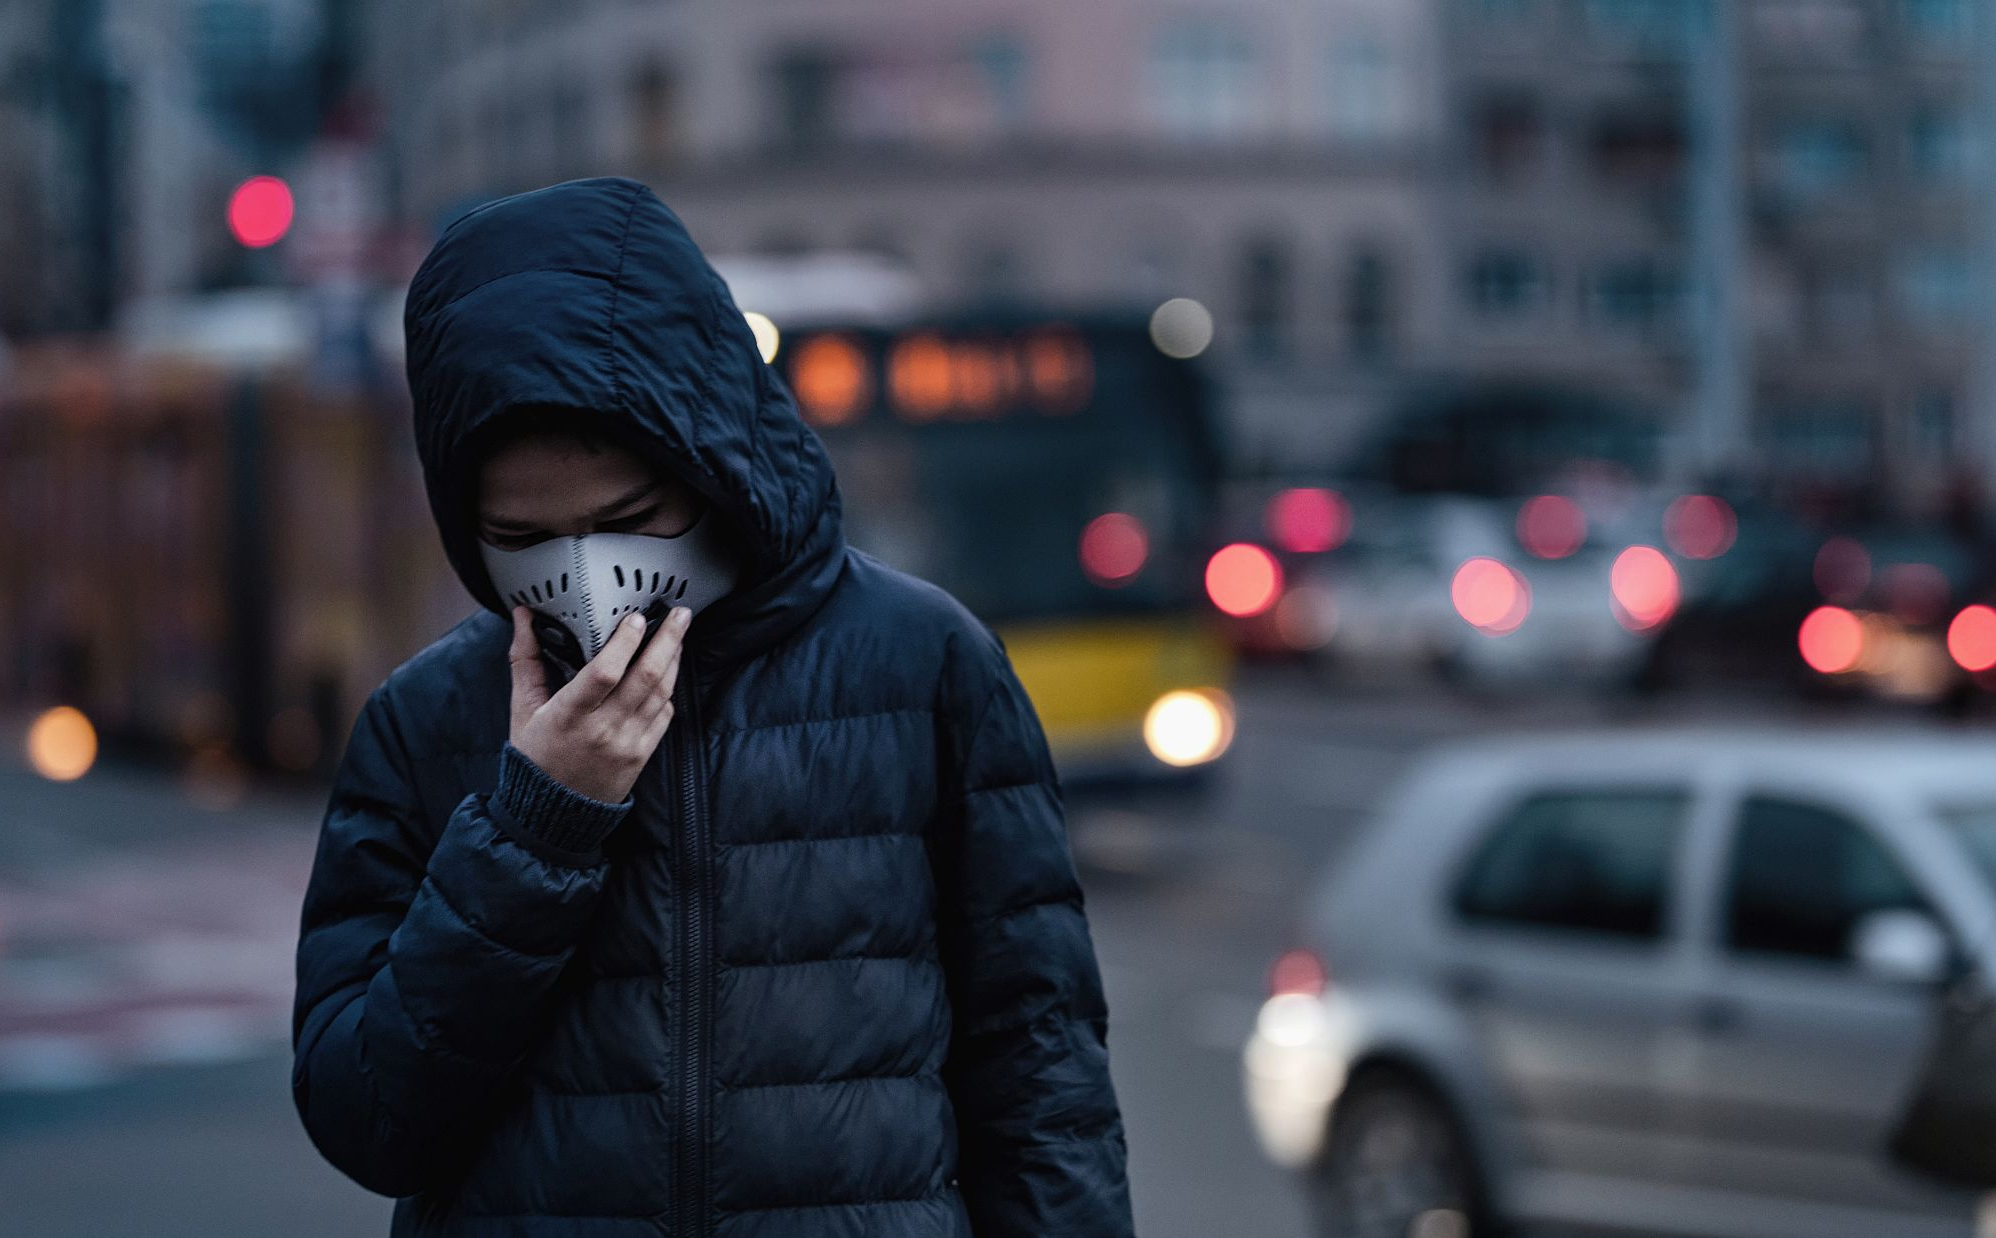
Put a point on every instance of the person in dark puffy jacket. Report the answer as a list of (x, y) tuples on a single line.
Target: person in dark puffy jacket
[(767, 928)]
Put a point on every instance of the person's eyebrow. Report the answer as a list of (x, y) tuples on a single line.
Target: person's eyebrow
[(644, 490)]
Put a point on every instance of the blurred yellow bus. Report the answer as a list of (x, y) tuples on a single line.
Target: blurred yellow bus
[(1057, 476), (214, 561)]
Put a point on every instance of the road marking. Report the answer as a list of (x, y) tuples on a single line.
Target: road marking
[(134, 961), (53, 1063)]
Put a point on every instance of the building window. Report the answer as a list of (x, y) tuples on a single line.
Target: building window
[(1645, 153), (1938, 20), (568, 117), (1936, 286), (1368, 303), (1505, 284), (447, 134), (1500, 12), (1265, 295), (516, 134), (1803, 28), (803, 89), (1646, 25), (1153, 266), (1509, 136), (494, 157), (1204, 80), (1840, 302), (1831, 441), (1934, 425), (994, 271), (1817, 157), (1940, 146), (654, 113), (781, 242), (1003, 65), (1364, 98), (1641, 294), (883, 240)]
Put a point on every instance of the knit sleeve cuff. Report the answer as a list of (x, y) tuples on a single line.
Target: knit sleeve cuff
[(569, 825)]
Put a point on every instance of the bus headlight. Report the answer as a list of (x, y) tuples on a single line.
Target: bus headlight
[(1189, 726)]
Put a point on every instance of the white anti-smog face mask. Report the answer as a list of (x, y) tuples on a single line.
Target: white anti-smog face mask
[(581, 587)]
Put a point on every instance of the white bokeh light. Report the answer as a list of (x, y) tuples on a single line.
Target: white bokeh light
[(767, 338), (1181, 328)]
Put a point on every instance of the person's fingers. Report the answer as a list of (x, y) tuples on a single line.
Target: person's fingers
[(661, 697), (655, 726), (530, 681), (657, 714), (589, 689), (646, 680)]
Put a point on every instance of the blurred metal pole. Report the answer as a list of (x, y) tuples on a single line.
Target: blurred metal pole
[(247, 571), (1721, 361), (1975, 443), (88, 101)]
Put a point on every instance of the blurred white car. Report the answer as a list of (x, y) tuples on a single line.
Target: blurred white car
[(1675, 982), (1442, 584)]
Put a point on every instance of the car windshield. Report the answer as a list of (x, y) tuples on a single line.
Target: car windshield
[(1975, 825)]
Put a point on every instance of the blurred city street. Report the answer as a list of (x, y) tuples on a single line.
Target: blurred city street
[(1595, 396), (169, 1113)]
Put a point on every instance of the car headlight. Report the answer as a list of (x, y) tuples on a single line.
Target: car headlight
[(1189, 726)]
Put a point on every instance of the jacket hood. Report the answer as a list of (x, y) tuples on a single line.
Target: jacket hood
[(589, 300)]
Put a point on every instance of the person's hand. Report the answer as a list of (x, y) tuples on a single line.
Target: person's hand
[(595, 734)]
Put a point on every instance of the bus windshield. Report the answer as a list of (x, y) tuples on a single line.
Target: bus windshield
[(998, 507)]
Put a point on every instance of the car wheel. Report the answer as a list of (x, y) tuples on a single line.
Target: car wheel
[(1396, 1165)]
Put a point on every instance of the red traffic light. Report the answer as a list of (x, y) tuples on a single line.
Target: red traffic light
[(260, 211)]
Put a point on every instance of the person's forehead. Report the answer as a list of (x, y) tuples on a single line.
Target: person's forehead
[(543, 472)]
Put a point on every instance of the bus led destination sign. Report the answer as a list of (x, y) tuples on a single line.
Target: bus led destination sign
[(927, 376)]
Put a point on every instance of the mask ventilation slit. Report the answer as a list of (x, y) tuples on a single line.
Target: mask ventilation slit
[(564, 582), (549, 585), (619, 569), (537, 592), (654, 582), (681, 593)]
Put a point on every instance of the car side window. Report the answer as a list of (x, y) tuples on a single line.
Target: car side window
[(1595, 862), (1801, 878)]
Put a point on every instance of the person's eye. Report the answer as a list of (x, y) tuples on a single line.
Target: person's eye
[(625, 524), (514, 541)]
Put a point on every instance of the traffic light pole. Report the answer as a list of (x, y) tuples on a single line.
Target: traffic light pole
[(1976, 441), (1721, 359)]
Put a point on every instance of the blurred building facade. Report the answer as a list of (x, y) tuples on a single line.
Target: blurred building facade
[(1578, 149), (53, 149), (1368, 194), (1264, 157), (124, 124)]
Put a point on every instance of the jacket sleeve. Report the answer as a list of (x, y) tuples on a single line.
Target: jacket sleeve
[(426, 957), (1041, 1146)]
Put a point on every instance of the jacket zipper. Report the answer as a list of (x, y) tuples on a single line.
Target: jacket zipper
[(696, 937)]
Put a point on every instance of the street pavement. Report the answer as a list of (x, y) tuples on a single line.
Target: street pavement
[(145, 978)]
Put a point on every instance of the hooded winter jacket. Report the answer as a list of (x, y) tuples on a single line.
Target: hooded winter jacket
[(826, 970)]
